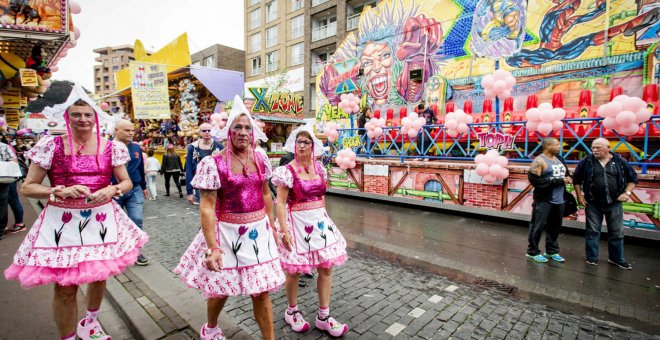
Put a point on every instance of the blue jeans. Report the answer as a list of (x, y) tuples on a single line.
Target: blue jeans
[(197, 195), (614, 216), (133, 202), (15, 204), (4, 194)]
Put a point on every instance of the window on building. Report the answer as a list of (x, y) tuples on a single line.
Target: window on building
[(106, 79), (297, 26), (209, 61), (98, 89), (271, 11), (271, 37), (115, 60), (272, 61), (296, 5), (254, 2), (115, 68), (255, 42), (255, 18), (256, 66), (297, 54)]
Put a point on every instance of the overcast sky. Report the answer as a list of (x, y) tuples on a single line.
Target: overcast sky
[(155, 22)]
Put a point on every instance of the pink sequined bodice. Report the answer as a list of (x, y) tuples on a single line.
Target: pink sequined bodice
[(239, 193), (68, 170), (306, 190)]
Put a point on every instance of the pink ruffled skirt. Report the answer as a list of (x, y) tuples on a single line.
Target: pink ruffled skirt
[(67, 266)]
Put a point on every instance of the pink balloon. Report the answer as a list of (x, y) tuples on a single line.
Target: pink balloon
[(489, 178), (491, 159), (543, 106), (505, 94), (452, 133), (413, 116), (405, 121), (502, 161), (469, 119), (499, 85), (489, 93), (559, 113), (343, 167), (629, 130), (557, 125), (412, 133), (532, 125), (74, 7), (480, 158), (369, 125), (620, 98), (487, 81), (642, 115), (462, 128), (545, 128), (625, 118), (510, 81), (494, 154), (610, 123), (482, 169), (501, 74), (378, 131), (105, 106), (418, 124), (633, 104), (495, 169), (54, 69), (351, 165), (331, 139), (352, 157), (371, 134), (504, 174), (547, 116), (76, 33), (533, 114), (343, 96)]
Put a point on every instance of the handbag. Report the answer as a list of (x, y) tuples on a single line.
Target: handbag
[(10, 172), (570, 204)]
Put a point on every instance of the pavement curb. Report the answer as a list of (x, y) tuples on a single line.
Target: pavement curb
[(559, 298)]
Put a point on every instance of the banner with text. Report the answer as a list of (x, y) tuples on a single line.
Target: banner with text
[(149, 91)]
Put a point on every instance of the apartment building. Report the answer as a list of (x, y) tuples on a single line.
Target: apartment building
[(275, 44), (111, 59), (292, 39), (220, 56)]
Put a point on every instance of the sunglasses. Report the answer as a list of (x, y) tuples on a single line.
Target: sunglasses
[(205, 130), (304, 142)]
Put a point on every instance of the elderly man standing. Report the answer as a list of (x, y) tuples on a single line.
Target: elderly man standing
[(133, 201), (196, 151), (606, 180)]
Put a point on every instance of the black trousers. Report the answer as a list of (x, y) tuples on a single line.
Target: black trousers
[(4, 206), (545, 216), (175, 176)]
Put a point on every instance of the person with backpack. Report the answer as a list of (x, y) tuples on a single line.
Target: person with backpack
[(196, 151)]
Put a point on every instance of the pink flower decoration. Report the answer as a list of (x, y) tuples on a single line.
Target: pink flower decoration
[(66, 217), (100, 217), (242, 230)]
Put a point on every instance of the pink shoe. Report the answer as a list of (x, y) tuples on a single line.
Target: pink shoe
[(211, 334), (296, 321), (331, 326), (91, 331)]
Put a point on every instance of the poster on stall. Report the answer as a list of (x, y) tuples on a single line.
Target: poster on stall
[(42, 16), (38, 123), (12, 98), (28, 77), (149, 91), (12, 117)]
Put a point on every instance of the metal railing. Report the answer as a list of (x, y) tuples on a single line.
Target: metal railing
[(324, 31), (352, 22), (642, 150)]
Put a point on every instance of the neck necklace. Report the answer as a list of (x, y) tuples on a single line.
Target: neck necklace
[(306, 167), (81, 146), (243, 163)]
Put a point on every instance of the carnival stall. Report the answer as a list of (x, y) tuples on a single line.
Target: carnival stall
[(499, 80), (35, 36)]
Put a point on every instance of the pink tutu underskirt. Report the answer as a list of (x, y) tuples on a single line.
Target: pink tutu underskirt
[(86, 272), (309, 268)]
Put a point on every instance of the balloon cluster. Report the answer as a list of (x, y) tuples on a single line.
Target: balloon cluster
[(491, 166), (345, 159), (330, 131), (411, 124), (350, 103), (498, 84), (375, 127), (545, 119), (457, 123), (624, 114)]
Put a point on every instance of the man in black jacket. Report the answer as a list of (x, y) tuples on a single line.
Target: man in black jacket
[(548, 176), (606, 180)]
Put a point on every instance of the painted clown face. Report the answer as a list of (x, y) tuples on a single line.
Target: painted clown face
[(377, 60)]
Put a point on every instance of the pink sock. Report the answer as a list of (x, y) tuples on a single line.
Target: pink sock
[(91, 315), (292, 309), (71, 336), (324, 312)]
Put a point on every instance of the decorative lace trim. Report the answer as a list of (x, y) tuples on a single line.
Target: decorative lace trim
[(76, 203), (239, 218), (307, 205)]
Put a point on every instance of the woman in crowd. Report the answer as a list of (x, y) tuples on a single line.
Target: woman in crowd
[(152, 168), (171, 168)]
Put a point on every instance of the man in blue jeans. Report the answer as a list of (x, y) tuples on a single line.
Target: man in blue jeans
[(133, 201), (606, 180)]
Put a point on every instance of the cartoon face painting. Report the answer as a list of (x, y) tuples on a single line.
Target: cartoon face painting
[(377, 61)]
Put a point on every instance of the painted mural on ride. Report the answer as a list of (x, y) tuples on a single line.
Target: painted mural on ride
[(500, 76)]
